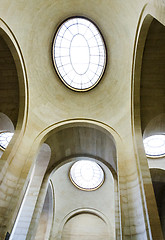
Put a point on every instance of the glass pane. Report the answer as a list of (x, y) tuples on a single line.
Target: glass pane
[(155, 145), (78, 47), (87, 175)]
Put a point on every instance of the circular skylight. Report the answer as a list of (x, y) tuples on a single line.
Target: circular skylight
[(79, 54), (155, 145), (86, 175), (5, 138)]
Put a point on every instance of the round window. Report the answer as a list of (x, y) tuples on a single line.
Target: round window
[(79, 54), (155, 145), (86, 175)]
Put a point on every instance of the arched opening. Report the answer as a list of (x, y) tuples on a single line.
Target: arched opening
[(13, 108), (72, 144), (152, 98), (149, 103), (9, 83), (85, 226), (152, 87), (66, 145), (9, 90), (13, 86), (83, 140)]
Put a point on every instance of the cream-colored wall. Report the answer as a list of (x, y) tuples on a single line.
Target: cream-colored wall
[(69, 200), (34, 25), (85, 226)]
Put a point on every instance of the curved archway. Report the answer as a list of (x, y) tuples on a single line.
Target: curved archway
[(77, 141), (85, 226), (13, 103), (146, 81), (13, 84), (15, 80), (81, 138)]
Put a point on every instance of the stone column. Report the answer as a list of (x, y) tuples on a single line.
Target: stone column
[(25, 214)]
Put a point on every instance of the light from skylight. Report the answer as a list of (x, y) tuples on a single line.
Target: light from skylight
[(86, 175), (79, 54)]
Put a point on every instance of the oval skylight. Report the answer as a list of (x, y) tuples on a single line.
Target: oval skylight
[(79, 54), (5, 138), (86, 175), (155, 145)]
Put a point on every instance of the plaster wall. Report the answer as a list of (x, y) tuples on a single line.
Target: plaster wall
[(69, 200), (85, 226)]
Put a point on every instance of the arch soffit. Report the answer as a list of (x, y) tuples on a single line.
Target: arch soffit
[(15, 49), (54, 128), (149, 12)]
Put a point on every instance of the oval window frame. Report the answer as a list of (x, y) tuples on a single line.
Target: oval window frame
[(53, 55)]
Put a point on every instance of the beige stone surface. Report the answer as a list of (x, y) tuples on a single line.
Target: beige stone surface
[(68, 199), (85, 226)]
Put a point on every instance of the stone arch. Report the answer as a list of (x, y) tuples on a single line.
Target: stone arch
[(14, 93), (78, 123), (13, 49), (14, 104), (150, 21)]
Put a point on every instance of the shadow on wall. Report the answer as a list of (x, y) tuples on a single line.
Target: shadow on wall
[(158, 180)]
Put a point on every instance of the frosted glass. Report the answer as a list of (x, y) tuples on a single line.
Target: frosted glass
[(87, 175), (155, 145), (79, 54)]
